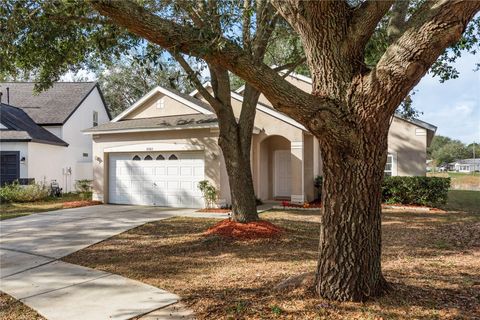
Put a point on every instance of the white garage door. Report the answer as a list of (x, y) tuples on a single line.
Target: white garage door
[(156, 179)]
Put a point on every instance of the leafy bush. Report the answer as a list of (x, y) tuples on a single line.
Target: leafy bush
[(429, 191), (17, 193), (318, 183), (209, 192), (84, 187)]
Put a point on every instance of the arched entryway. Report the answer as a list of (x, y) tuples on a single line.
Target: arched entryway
[(274, 168)]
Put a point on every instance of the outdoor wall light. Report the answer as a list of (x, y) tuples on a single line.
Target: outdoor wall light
[(22, 160), (99, 160)]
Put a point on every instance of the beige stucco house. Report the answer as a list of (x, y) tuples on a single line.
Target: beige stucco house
[(156, 152)]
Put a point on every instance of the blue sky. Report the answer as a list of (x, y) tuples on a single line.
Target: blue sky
[(452, 106)]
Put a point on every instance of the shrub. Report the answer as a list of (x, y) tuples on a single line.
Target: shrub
[(209, 193), (318, 183), (428, 191), (17, 193), (84, 187)]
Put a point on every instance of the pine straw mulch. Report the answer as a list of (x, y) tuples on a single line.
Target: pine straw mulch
[(244, 231), (80, 203), (432, 259)]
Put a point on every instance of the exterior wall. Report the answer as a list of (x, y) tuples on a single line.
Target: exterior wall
[(56, 130), (22, 147), (79, 143), (206, 138), (45, 163), (408, 145), (171, 107)]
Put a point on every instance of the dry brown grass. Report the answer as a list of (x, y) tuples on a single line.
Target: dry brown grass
[(433, 260), (460, 181), (12, 309)]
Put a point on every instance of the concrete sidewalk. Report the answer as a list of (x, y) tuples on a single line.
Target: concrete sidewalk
[(30, 247)]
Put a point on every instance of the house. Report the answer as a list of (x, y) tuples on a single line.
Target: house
[(156, 151), (465, 165), (41, 135)]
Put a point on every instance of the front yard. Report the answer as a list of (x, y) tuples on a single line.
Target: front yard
[(18, 209), (432, 259)]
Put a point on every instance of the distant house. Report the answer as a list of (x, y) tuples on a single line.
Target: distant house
[(40, 134), (465, 165)]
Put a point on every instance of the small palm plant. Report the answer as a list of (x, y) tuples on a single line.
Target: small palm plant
[(209, 193)]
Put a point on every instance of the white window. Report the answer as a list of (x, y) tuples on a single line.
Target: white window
[(95, 118), (160, 104), (389, 166)]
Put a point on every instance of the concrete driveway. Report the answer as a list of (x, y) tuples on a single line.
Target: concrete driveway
[(30, 247)]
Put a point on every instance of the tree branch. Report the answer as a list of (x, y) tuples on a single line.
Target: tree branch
[(364, 21), (434, 27), (215, 50), (192, 76), (397, 21)]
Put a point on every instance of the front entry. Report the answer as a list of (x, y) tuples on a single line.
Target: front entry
[(282, 176)]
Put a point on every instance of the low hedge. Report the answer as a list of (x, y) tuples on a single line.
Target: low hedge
[(17, 193), (427, 191)]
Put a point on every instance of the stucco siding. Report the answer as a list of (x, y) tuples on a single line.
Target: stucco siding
[(408, 145), (150, 108)]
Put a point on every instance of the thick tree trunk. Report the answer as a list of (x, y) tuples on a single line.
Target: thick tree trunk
[(237, 162), (349, 267)]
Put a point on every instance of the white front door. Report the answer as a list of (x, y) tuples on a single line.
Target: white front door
[(283, 176), (156, 178)]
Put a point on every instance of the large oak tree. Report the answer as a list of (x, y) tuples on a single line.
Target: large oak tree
[(354, 95)]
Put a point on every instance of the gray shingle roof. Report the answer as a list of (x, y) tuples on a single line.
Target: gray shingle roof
[(20, 127), (162, 123), (53, 106)]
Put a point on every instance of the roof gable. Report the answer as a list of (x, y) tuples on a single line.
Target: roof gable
[(51, 107), (185, 99)]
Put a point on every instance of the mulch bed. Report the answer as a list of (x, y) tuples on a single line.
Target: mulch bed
[(81, 203), (312, 204), (215, 210), (245, 231)]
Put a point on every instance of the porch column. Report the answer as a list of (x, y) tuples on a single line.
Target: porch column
[(297, 172), (308, 167)]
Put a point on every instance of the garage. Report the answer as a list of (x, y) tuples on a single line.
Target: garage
[(156, 178)]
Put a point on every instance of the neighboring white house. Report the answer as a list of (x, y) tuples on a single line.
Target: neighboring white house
[(466, 165), (40, 134)]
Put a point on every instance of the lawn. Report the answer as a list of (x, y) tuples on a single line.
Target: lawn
[(460, 181), (18, 209), (463, 200), (431, 259)]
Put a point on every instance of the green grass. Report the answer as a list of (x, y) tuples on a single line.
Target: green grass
[(460, 181), (463, 200), (18, 209)]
